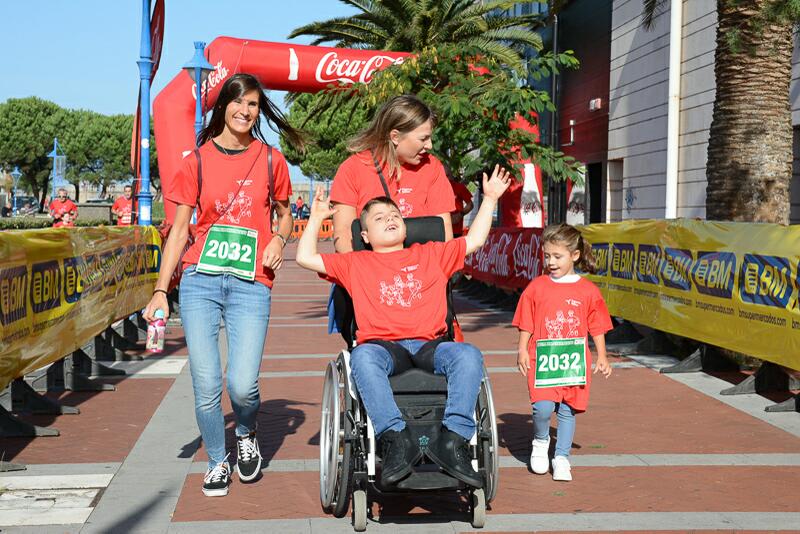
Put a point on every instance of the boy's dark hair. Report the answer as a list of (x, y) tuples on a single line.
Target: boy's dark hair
[(571, 237), (386, 201)]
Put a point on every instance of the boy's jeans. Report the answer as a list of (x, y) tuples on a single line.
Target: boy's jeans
[(461, 363), (205, 299)]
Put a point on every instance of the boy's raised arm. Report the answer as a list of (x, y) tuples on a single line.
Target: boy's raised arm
[(493, 189), (307, 255)]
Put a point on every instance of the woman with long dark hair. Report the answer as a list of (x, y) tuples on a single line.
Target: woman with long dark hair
[(234, 180)]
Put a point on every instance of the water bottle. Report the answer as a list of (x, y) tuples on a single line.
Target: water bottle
[(156, 331)]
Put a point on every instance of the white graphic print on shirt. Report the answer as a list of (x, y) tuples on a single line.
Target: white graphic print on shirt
[(239, 207), (564, 327), (402, 292), (406, 209)]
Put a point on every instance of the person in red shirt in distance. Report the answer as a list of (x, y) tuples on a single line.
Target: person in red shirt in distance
[(399, 296), (63, 210), (555, 315), (123, 207), (228, 271), (463, 200)]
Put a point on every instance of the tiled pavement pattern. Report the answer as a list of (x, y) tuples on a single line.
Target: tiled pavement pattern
[(653, 453)]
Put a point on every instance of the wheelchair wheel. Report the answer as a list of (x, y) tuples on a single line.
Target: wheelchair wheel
[(359, 510), (334, 450), (490, 457), (478, 506)]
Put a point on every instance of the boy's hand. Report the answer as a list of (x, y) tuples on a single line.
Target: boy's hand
[(523, 362), (321, 207), (603, 366), (495, 186)]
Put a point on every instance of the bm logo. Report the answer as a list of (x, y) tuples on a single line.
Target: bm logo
[(766, 280)]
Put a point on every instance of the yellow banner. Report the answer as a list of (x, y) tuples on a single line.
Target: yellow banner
[(734, 285), (61, 287)]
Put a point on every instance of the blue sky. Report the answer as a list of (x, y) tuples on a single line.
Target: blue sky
[(83, 53)]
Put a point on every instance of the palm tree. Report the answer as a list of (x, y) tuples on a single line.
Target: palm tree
[(411, 25), (749, 165)]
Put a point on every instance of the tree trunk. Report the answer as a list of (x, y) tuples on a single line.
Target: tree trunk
[(77, 186), (750, 142)]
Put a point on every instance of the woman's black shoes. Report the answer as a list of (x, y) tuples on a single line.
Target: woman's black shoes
[(450, 451), (399, 455)]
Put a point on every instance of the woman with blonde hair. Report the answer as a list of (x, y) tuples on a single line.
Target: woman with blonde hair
[(392, 158)]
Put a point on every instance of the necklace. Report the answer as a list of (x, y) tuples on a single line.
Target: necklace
[(229, 151)]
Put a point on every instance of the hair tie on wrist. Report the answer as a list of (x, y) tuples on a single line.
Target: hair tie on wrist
[(283, 239), (160, 291)]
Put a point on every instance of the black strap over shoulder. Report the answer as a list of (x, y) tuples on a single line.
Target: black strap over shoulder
[(270, 174), (380, 174)]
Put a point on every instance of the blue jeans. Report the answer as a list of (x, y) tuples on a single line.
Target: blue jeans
[(461, 363), (205, 299), (542, 411)]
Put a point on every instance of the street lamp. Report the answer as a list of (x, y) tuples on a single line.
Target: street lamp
[(198, 68), (15, 176)]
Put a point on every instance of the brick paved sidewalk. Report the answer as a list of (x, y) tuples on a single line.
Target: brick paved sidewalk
[(653, 453)]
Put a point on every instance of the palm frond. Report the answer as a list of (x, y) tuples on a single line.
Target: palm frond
[(650, 10)]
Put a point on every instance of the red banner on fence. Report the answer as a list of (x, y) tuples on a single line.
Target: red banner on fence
[(510, 259)]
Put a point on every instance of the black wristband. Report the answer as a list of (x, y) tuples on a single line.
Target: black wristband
[(160, 291)]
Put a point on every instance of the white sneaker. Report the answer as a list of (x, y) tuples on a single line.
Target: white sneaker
[(561, 469), (540, 463)]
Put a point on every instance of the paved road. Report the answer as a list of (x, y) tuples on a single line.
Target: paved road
[(653, 453)]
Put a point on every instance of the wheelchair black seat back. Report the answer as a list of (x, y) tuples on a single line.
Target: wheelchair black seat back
[(349, 459)]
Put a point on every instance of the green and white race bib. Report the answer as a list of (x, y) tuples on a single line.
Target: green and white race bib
[(230, 249), (560, 362)]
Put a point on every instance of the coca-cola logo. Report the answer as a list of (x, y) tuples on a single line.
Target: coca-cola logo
[(492, 258), (527, 258), (216, 77), (332, 69)]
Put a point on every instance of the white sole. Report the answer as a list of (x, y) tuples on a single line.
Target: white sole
[(251, 477), (215, 493)]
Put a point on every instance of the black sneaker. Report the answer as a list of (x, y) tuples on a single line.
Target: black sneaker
[(248, 457), (451, 452), (217, 480)]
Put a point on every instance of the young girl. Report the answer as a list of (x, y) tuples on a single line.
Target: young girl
[(555, 314)]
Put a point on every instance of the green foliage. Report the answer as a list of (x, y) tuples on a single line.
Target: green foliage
[(27, 128), (414, 25), (473, 109), (97, 146), (329, 133), (32, 223)]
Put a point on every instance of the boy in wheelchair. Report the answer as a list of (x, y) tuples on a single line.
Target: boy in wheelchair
[(399, 297)]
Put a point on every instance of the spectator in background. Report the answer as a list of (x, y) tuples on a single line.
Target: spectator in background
[(123, 207), (298, 205), (62, 206), (463, 199), (7, 210)]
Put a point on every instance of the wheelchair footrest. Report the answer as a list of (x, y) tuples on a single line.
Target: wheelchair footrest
[(428, 480)]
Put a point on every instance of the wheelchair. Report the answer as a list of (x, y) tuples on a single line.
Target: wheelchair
[(349, 461)]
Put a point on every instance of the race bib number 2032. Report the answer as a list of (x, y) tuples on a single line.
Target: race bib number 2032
[(560, 362)]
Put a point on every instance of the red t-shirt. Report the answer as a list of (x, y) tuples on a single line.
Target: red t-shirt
[(124, 205), (557, 310), (58, 209), (398, 295), (462, 196), (422, 190), (299, 203), (235, 193)]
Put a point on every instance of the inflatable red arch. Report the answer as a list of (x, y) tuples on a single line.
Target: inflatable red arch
[(284, 67)]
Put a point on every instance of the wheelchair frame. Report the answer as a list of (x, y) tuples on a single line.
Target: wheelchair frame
[(347, 450)]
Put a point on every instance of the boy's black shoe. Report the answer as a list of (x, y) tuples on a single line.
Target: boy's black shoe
[(399, 454), (248, 457), (450, 451)]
